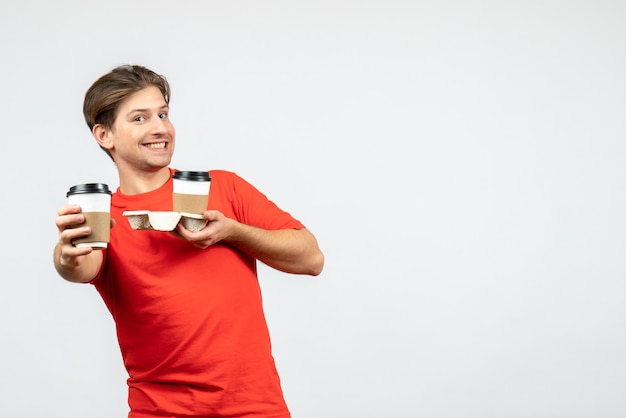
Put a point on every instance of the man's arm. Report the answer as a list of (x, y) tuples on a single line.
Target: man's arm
[(74, 264), (289, 250)]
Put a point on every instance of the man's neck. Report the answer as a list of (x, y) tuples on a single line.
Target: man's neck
[(137, 182)]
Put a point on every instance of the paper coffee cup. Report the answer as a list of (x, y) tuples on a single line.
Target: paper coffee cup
[(191, 191), (95, 202)]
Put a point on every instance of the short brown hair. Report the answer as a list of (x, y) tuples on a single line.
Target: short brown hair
[(105, 95)]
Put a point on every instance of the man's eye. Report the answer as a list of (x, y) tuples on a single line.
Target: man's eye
[(163, 115), (139, 119)]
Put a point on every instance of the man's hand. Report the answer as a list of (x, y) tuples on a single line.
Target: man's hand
[(216, 230), (74, 264)]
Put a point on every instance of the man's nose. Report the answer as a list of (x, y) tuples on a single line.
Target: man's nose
[(159, 125)]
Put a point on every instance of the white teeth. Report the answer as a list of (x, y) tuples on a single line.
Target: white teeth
[(159, 145)]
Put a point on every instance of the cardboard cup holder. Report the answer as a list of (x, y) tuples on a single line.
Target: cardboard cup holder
[(164, 221)]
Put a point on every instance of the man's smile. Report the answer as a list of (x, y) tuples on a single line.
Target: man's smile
[(156, 145)]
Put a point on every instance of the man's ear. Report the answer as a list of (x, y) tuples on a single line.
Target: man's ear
[(102, 134)]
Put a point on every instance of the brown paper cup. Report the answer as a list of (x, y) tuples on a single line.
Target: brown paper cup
[(95, 202), (191, 191)]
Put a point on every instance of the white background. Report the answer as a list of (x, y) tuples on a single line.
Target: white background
[(461, 163)]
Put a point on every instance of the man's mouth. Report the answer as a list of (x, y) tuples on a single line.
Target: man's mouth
[(156, 145)]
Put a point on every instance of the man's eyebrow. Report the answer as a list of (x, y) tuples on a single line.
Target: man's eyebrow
[(164, 107)]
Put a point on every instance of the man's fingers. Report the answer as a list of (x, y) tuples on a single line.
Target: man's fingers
[(68, 209)]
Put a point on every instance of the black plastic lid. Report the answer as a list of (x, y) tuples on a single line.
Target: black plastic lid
[(89, 188), (192, 175)]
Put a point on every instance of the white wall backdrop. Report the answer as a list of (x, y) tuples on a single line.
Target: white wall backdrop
[(461, 163)]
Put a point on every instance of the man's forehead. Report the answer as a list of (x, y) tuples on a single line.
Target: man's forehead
[(145, 99)]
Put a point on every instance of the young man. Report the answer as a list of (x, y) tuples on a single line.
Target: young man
[(187, 305)]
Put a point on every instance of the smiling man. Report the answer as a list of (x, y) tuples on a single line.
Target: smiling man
[(187, 305), (141, 137)]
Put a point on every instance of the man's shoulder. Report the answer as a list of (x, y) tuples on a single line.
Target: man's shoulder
[(226, 176), (214, 173)]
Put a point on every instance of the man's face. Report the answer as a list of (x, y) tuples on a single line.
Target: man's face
[(142, 137)]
